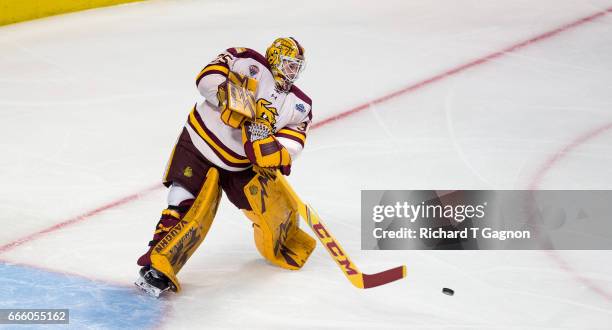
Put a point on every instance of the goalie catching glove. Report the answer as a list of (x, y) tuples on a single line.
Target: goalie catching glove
[(263, 149), (260, 145)]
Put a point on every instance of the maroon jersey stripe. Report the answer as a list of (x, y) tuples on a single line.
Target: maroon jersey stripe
[(293, 130), (208, 73), (290, 137), (250, 53), (301, 95), (215, 138), (223, 159)]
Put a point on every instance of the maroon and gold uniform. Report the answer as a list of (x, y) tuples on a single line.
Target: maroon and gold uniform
[(207, 141), (218, 148), (290, 111)]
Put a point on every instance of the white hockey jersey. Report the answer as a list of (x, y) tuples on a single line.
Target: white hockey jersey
[(222, 144)]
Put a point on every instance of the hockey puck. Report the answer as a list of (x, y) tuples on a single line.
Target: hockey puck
[(448, 292)]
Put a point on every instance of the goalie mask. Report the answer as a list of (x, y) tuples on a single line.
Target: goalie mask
[(286, 59)]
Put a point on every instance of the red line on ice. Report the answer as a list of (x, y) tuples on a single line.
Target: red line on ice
[(78, 218), (558, 156), (482, 60), (406, 90), (551, 162)]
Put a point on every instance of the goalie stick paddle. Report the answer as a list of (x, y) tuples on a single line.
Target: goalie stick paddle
[(350, 270)]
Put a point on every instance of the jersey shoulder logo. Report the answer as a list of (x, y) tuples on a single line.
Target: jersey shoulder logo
[(253, 70), (300, 107), (264, 112)]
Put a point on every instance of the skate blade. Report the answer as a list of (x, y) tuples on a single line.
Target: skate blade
[(148, 288)]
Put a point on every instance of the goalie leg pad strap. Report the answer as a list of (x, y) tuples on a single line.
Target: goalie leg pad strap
[(173, 251)]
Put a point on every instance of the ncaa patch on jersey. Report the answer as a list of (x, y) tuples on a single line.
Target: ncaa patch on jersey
[(300, 107), (253, 70)]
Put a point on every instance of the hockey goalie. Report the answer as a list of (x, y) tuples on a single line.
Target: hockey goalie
[(252, 125)]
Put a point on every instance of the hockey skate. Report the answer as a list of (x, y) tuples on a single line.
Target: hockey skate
[(153, 282)]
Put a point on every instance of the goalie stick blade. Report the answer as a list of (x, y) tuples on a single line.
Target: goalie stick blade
[(384, 277)]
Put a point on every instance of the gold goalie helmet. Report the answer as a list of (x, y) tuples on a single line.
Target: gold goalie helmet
[(286, 59)]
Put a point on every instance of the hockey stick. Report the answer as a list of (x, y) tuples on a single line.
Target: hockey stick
[(350, 270)]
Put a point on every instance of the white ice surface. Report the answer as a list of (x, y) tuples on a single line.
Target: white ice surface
[(92, 102)]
